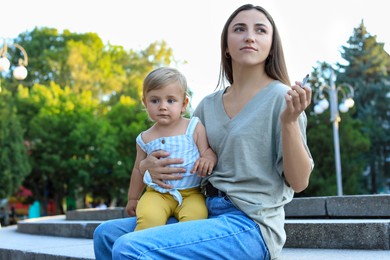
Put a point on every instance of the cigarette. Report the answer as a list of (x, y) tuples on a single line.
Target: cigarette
[(304, 81)]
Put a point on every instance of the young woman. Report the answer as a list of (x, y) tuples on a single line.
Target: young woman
[(256, 126)]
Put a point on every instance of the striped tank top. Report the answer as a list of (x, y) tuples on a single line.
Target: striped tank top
[(179, 146)]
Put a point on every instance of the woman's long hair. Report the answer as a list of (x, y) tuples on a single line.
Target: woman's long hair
[(275, 64)]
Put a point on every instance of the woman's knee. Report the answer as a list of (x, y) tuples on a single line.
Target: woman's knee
[(99, 231), (124, 248)]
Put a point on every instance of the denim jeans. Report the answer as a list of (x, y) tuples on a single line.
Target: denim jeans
[(227, 234)]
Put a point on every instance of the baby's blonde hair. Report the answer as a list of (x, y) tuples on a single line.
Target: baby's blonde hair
[(161, 77)]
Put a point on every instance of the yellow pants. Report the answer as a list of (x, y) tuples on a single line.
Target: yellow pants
[(154, 208)]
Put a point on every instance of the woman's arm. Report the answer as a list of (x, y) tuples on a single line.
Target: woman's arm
[(296, 159)]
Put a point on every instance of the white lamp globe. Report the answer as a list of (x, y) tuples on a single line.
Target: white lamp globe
[(20, 73), (318, 109), (4, 64), (324, 104), (343, 108), (349, 102)]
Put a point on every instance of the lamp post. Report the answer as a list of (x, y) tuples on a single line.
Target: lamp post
[(20, 71), (347, 102)]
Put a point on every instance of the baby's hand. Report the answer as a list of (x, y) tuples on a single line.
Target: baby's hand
[(131, 207), (203, 166)]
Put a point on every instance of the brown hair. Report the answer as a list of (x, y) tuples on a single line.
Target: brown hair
[(275, 64)]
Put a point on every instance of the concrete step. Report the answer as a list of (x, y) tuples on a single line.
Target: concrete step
[(348, 227), (18, 246), (338, 233), (96, 214), (340, 207), (301, 233), (58, 226)]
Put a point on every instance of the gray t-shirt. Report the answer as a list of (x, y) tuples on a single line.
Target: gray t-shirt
[(250, 163)]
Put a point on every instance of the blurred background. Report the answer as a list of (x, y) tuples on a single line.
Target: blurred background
[(70, 92)]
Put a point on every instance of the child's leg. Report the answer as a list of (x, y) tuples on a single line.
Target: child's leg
[(153, 209), (193, 206)]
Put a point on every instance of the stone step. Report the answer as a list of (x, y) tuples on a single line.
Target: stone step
[(340, 207), (334, 207), (338, 233), (301, 233), (58, 226), (96, 214), (18, 246)]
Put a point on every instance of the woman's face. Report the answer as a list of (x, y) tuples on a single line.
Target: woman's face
[(249, 38)]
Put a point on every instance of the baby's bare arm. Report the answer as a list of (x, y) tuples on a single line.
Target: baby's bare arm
[(208, 159)]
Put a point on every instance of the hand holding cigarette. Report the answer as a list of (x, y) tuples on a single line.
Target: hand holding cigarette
[(304, 81)]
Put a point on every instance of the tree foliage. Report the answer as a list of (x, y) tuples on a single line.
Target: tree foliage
[(353, 142), (368, 70), (14, 165), (81, 110)]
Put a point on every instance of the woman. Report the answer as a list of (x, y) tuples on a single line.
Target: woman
[(256, 126)]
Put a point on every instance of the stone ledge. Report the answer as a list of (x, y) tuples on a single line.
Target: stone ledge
[(58, 226), (340, 234), (375, 206), (301, 233), (96, 214), (313, 207), (18, 246), (354, 206)]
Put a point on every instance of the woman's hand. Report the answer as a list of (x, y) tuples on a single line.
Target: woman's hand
[(297, 100), (159, 168)]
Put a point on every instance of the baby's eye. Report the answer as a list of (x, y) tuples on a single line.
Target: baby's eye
[(171, 101), (154, 100)]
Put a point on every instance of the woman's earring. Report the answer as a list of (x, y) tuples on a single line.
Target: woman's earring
[(227, 55)]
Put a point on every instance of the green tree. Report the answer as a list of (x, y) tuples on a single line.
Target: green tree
[(70, 143), (128, 118), (367, 69), (14, 165), (320, 139), (83, 62), (81, 111)]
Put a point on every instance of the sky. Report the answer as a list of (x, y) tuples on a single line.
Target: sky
[(311, 30)]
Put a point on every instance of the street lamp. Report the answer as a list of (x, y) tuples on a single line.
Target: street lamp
[(321, 105), (20, 72)]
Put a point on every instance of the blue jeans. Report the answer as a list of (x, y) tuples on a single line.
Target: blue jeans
[(227, 234)]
